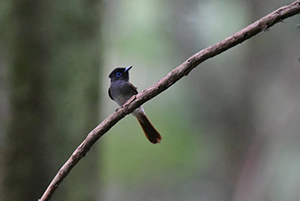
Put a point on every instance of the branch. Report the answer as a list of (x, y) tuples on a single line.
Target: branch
[(260, 25)]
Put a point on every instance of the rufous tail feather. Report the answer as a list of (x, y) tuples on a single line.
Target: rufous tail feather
[(150, 132)]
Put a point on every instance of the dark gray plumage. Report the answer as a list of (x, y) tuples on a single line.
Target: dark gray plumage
[(121, 90)]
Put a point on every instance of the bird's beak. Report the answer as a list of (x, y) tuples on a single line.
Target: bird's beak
[(127, 68)]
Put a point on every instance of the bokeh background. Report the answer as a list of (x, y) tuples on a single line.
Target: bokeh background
[(231, 129)]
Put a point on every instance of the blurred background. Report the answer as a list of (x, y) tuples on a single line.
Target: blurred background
[(231, 129)]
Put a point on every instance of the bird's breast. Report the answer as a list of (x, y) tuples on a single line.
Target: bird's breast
[(121, 92)]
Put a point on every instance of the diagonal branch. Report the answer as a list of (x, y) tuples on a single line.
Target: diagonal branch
[(260, 25)]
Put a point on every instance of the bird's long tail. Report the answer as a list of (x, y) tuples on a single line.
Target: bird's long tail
[(150, 132)]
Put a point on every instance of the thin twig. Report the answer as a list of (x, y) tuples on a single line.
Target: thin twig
[(260, 25)]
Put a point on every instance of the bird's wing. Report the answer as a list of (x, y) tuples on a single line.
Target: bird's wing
[(133, 88), (110, 94)]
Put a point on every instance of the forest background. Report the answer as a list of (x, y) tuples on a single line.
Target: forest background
[(230, 129)]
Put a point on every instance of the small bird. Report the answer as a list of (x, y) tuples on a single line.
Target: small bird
[(121, 90)]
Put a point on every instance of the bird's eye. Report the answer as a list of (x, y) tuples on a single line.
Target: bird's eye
[(118, 74)]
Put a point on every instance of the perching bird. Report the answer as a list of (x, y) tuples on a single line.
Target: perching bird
[(121, 90)]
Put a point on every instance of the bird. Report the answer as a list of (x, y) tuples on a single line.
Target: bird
[(121, 90)]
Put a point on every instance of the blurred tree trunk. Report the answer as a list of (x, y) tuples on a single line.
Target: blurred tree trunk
[(27, 166), (227, 101), (264, 62), (53, 56)]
